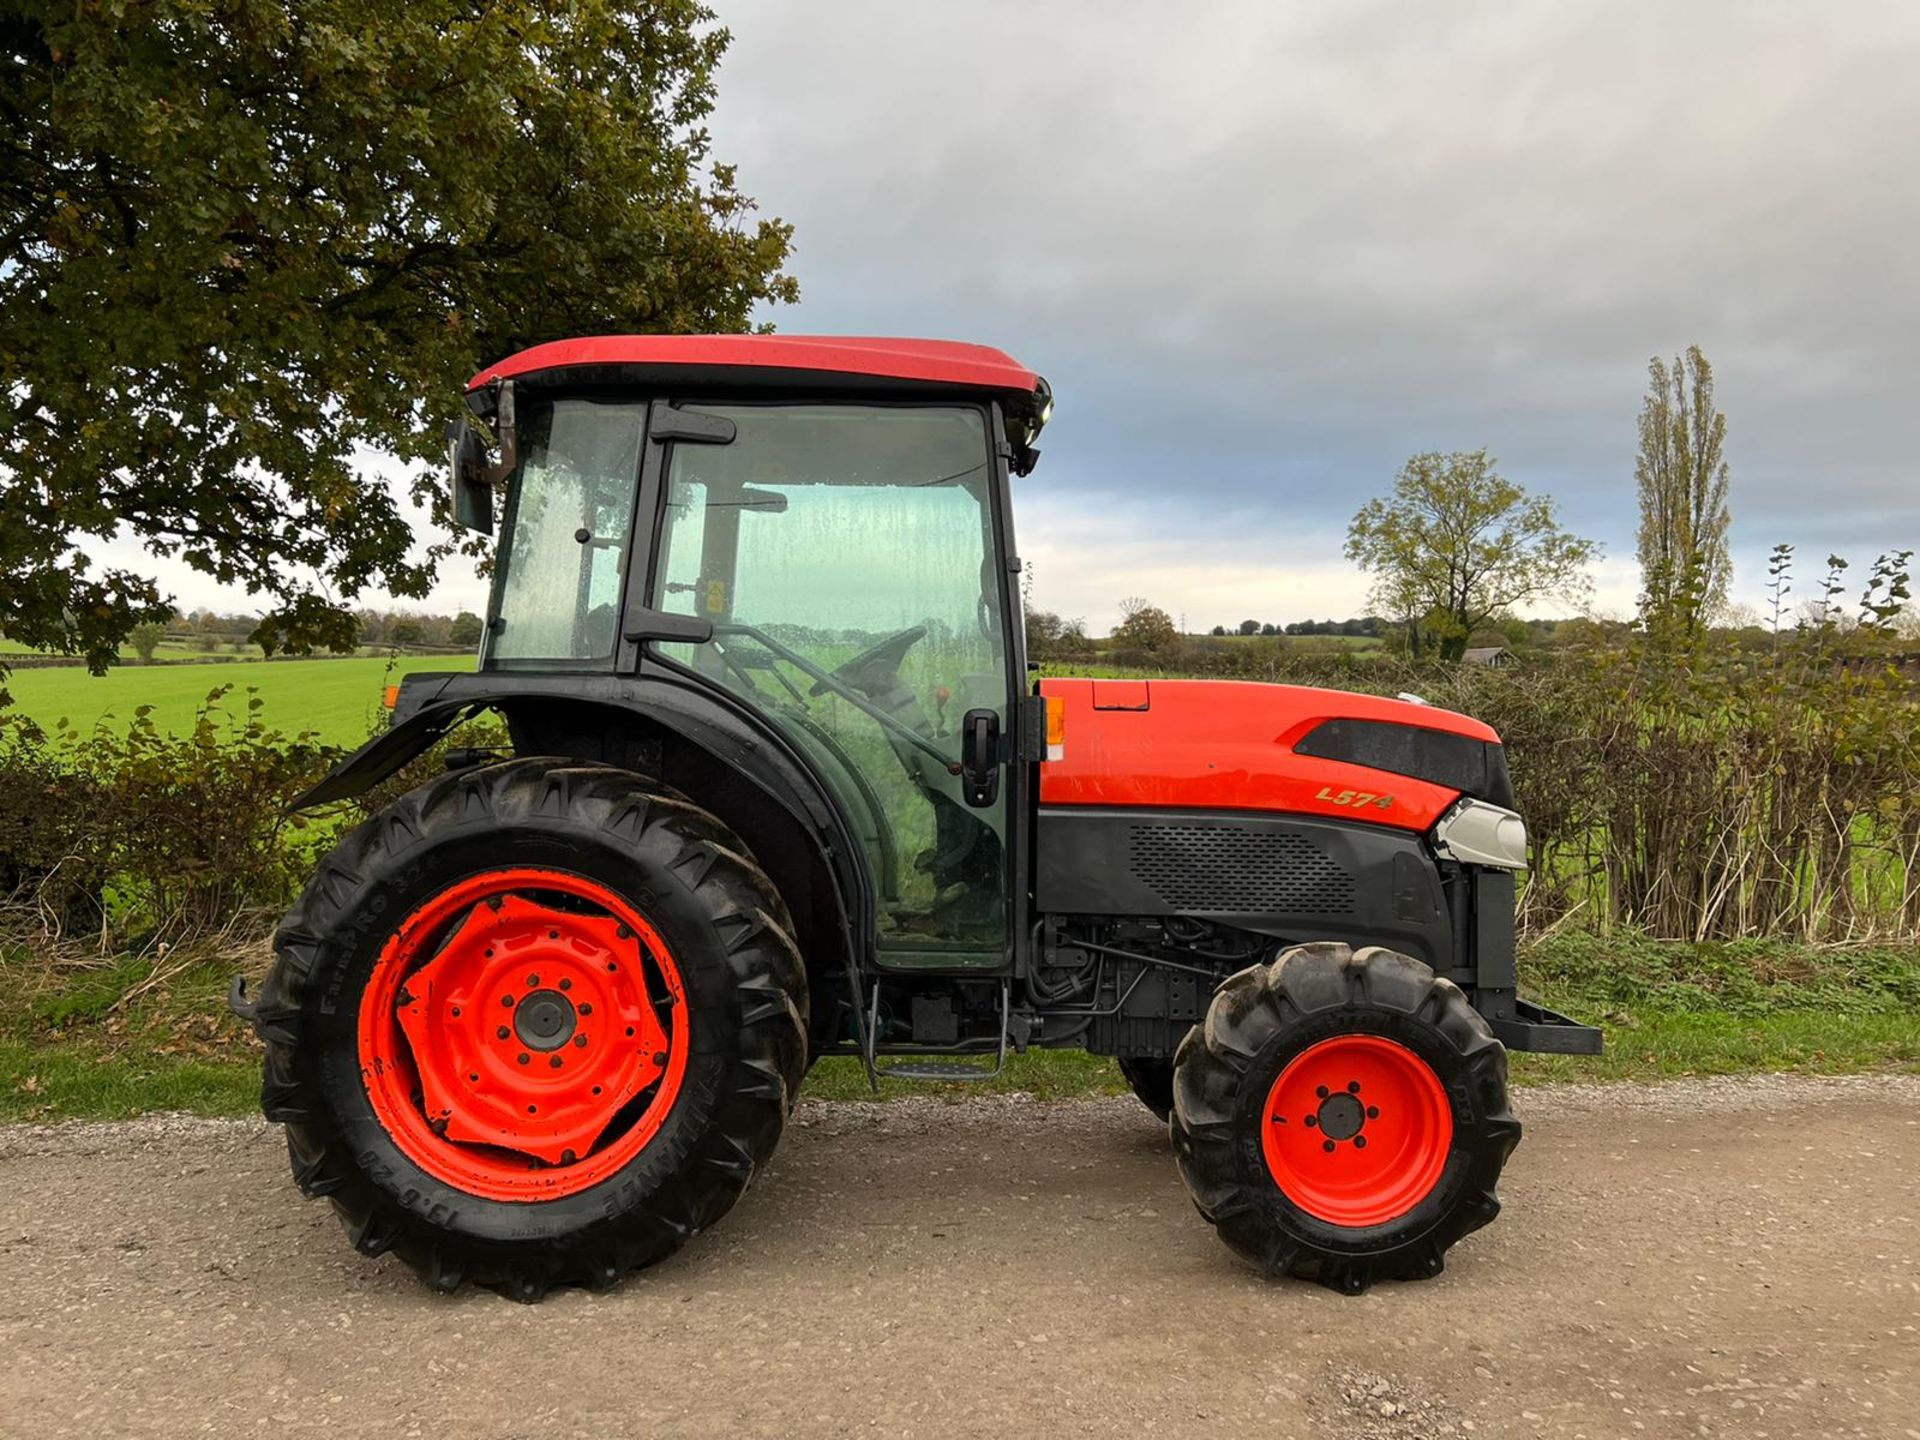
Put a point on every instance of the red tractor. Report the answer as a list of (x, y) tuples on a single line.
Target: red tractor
[(780, 787)]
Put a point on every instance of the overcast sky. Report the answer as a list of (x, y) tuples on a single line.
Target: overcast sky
[(1264, 252)]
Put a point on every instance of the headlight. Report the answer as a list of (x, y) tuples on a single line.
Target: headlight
[(1476, 833)]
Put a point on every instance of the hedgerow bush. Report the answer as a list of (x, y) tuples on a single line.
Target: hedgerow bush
[(132, 831), (1709, 794), (1706, 797)]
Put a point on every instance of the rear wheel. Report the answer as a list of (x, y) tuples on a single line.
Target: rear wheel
[(1342, 1116), (533, 1024)]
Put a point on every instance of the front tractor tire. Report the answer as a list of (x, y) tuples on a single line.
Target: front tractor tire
[(1152, 1082), (1341, 1116), (536, 1023)]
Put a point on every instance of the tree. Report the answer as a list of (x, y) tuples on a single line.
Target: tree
[(146, 638), (1249, 627), (249, 239), (465, 630), (1682, 478), (1145, 633), (1218, 631), (1456, 544), (405, 631)]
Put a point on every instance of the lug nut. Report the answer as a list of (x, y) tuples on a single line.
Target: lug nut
[(1359, 1142), (523, 1057), (566, 984), (554, 1063), (579, 1042), (1328, 1147), (504, 1033)]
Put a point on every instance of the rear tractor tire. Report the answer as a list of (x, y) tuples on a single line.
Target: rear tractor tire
[(1342, 1116), (536, 1023)]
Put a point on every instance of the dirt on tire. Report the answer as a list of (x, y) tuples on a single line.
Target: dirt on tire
[(1730, 1257)]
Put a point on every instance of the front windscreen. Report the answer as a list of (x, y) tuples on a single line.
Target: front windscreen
[(570, 517)]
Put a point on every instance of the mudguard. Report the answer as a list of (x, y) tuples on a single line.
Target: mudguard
[(758, 783), (385, 754)]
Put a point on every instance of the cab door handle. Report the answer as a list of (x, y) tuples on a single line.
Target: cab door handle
[(980, 758)]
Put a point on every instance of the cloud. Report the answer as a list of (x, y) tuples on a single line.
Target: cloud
[(1265, 252)]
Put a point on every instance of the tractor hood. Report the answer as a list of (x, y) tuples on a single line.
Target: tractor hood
[(1237, 745)]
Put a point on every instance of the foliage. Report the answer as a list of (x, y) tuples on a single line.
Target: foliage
[(1457, 545), (139, 830), (466, 629), (134, 831), (1682, 477), (1051, 638), (1145, 634), (250, 239), (1750, 792), (145, 639)]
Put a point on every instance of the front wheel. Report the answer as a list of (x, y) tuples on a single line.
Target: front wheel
[(534, 1024), (1152, 1082), (1342, 1116)]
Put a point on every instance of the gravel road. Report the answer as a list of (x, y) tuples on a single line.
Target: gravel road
[(1735, 1258)]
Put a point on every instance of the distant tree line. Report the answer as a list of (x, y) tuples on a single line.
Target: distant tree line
[(1369, 626), (208, 630)]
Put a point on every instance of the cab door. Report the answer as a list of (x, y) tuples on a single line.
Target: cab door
[(846, 557)]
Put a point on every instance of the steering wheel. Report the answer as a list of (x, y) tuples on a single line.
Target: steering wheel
[(872, 667)]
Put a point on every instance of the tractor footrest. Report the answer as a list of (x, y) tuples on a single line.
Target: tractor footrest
[(938, 1070), (1543, 1031)]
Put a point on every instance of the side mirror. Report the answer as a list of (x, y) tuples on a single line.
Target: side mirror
[(466, 459), (471, 477)]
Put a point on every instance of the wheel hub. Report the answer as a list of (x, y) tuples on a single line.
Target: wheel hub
[(1340, 1115), (1357, 1130), (545, 1020), (539, 1042)]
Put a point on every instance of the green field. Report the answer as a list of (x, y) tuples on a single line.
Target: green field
[(338, 699)]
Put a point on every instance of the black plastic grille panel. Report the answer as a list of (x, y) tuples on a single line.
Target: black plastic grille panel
[(1241, 868)]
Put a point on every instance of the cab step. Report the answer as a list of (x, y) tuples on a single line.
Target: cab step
[(937, 1070)]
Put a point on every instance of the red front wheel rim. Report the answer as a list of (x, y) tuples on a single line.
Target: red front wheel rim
[(523, 1035), (1357, 1130)]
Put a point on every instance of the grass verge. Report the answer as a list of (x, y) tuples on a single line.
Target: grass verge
[(88, 1039)]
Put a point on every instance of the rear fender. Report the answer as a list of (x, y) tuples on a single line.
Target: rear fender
[(732, 764)]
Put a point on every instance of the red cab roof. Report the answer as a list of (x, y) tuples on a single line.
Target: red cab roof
[(948, 362)]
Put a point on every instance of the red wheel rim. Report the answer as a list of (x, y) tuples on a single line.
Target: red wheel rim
[(1357, 1130), (524, 1034)]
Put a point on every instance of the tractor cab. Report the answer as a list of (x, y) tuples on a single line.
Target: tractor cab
[(820, 531)]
